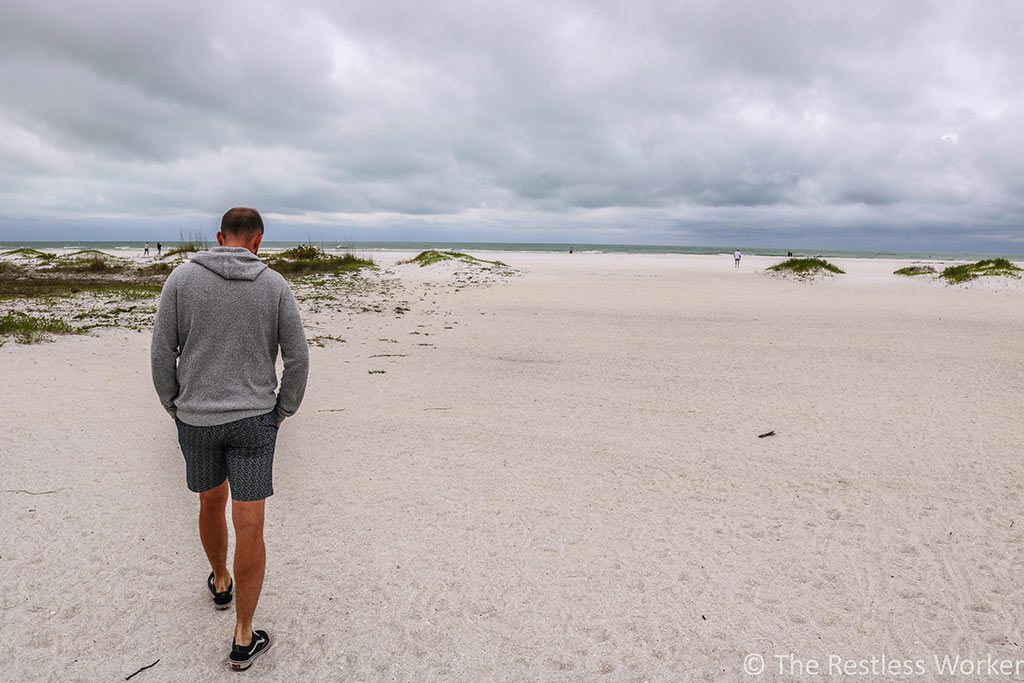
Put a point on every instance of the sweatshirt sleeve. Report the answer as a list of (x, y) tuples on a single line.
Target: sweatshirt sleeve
[(164, 350), (294, 353)]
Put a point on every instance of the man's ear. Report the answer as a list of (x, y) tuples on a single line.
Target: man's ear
[(256, 242), (220, 238)]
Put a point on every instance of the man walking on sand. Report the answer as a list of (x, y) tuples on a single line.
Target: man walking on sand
[(737, 256), (221, 318)]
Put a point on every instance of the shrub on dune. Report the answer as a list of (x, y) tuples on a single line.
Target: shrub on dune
[(995, 267), (432, 256), (304, 252), (806, 267), (307, 259), (910, 271)]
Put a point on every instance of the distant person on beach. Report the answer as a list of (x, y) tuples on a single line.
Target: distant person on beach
[(737, 256), (159, 247), (219, 324), (570, 249), (789, 254), (145, 250)]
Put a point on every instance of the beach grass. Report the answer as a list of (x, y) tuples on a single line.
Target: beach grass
[(304, 252), (90, 261), (11, 269), (910, 271), (188, 242), (432, 256), (86, 254), (137, 291), (157, 269), (996, 267), (84, 271), (44, 287), (28, 329), (29, 253), (806, 267), (308, 259)]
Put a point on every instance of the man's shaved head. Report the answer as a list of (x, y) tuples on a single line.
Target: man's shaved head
[(241, 222)]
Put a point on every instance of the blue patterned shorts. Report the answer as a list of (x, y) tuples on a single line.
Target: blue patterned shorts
[(241, 452)]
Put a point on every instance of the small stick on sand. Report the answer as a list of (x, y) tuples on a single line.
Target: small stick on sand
[(761, 436), (142, 669), (31, 493)]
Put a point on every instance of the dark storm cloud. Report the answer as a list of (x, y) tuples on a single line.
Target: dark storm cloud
[(694, 122)]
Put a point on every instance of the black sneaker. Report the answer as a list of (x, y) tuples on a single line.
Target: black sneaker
[(241, 657), (220, 600)]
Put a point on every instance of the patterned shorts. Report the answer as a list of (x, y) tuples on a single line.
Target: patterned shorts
[(241, 452)]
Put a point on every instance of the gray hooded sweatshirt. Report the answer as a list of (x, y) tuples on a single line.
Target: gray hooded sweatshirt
[(220, 321)]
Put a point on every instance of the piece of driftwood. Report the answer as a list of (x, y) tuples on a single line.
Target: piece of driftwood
[(31, 493), (771, 433), (142, 669)]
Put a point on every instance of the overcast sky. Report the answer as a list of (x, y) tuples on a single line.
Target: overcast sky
[(888, 125)]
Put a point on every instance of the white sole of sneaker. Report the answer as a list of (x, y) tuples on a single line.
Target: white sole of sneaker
[(242, 666)]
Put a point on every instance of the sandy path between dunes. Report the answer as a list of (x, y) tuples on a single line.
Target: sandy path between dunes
[(568, 485)]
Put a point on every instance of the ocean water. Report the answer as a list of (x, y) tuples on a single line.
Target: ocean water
[(136, 248)]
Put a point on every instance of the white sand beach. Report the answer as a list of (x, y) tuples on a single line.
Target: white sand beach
[(557, 477)]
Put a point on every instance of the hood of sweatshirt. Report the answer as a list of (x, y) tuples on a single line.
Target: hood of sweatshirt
[(231, 263)]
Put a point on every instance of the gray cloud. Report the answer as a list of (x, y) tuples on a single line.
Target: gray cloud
[(835, 124)]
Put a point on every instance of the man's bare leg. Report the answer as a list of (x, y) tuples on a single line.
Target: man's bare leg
[(213, 532), (250, 562)]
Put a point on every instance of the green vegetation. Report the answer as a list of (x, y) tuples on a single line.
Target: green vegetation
[(88, 254), (157, 269), (8, 269), (303, 252), (432, 256), (41, 287), (307, 259), (188, 243), (85, 271), (29, 253), (910, 271), (996, 267), (89, 261), (806, 267), (27, 329), (186, 249), (137, 292)]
